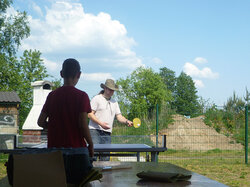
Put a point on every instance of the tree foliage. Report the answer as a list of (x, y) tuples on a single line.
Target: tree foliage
[(13, 29), (21, 73), (186, 99), (247, 97), (17, 73), (230, 118), (30, 69), (234, 104), (141, 91), (4, 4), (169, 78)]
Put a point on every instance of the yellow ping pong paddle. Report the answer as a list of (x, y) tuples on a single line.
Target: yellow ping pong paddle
[(136, 122)]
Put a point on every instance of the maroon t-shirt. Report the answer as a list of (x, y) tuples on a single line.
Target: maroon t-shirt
[(63, 107)]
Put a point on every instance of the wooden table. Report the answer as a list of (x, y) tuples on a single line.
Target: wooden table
[(127, 176)]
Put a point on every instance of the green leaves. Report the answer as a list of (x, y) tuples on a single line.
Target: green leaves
[(32, 68), (13, 29), (4, 4), (28, 69), (144, 88), (169, 78), (18, 74), (234, 104), (141, 91), (186, 100)]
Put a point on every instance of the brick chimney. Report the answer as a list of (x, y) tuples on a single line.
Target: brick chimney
[(41, 89)]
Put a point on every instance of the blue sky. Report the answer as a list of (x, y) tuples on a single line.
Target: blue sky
[(207, 39)]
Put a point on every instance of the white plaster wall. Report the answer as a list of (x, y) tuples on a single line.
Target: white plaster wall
[(39, 98)]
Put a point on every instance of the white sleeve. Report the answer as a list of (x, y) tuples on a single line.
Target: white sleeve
[(94, 103), (117, 110)]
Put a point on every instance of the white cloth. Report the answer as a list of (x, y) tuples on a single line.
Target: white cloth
[(105, 111)]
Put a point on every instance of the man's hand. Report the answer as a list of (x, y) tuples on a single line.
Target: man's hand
[(104, 125), (93, 117), (123, 120), (129, 123)]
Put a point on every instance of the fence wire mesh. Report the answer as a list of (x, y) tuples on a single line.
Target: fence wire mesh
[(212, 136), (202, 138)]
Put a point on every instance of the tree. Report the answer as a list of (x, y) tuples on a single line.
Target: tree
[(4, 5), (234, 104), (141, 91), (186, 100), (17, 74), (169, 78), (247, 97), (30, 69), (13, 29)]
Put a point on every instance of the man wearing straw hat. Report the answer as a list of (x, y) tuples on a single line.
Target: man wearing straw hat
[(104, 110)]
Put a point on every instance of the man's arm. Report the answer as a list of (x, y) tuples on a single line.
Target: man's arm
[(122, 119), (42, 120), (84, 129), (93, 117)]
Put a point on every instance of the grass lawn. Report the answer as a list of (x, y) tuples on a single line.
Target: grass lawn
[(226, 171), (227, 167), (3, 159)]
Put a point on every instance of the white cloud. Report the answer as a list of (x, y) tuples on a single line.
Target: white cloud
[(198, 83), (131, 62), (194, 71), (96, 76), (200, 60), (65, 29), (156, 60), (37, 9), (50, 65)]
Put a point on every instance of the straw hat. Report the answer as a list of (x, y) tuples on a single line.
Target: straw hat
[(110, 84)]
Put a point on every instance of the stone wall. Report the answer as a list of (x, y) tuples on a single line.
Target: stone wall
[(9, 120), (9, 126)]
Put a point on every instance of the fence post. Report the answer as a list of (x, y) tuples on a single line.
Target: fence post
[(157, 123), (246, 134)]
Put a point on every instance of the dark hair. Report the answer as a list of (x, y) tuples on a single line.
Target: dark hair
[(101, 92), (70, 68)]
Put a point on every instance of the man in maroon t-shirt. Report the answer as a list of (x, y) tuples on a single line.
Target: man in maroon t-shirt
[(65, 112)]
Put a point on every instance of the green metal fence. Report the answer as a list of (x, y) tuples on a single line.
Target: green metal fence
[(187, 138), (193, 138), (246, 134)]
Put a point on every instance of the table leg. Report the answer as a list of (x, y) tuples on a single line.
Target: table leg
[(153, 156), (147, 157), (138, 156)]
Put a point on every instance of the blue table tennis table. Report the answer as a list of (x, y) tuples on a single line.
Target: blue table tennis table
[(124, 150), (107, 149), (128, 150)]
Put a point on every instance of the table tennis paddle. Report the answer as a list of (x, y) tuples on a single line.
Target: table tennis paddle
[(136, 122)]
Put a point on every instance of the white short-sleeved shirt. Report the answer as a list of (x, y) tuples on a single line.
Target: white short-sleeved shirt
[(105, 111)]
